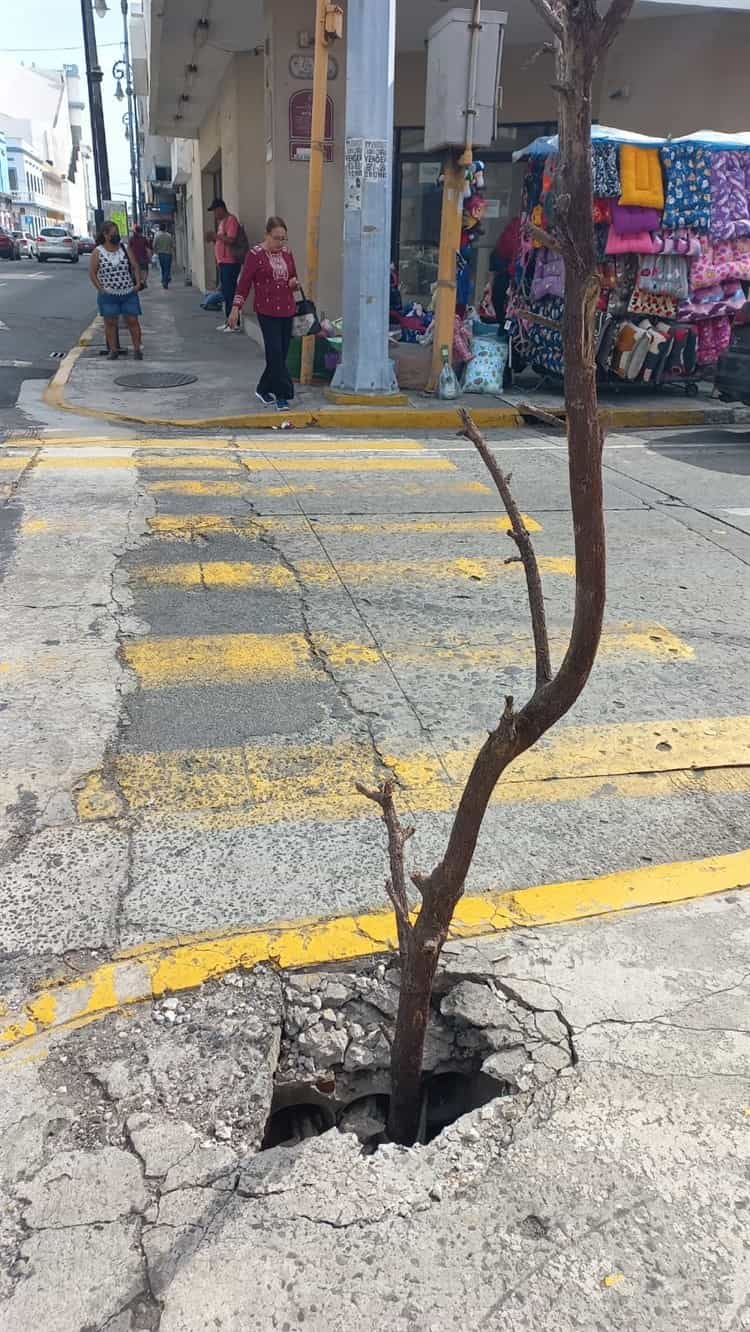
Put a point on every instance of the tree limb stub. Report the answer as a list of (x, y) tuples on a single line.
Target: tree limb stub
[(544, 237), (530, 317), (525, 549)]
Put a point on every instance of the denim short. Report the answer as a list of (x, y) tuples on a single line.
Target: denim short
[(111, 307)]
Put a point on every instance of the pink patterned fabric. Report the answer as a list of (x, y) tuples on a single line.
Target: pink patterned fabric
[(721, 261), (714, 336), (730, 194), (710, 302)]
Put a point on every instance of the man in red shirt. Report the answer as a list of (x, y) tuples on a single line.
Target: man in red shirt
[(230, 248)]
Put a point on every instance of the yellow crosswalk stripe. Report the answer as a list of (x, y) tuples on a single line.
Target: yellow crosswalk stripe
[(251, 658), (229, 489), (204, 524), (239, 574), (268, 783), (218, 462)]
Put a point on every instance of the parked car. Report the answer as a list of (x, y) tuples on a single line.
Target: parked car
[(9, 247), (55, 243), (733, 370), (85, 244), (23, 243)]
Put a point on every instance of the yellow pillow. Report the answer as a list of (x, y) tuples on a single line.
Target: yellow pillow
[(640, 177)]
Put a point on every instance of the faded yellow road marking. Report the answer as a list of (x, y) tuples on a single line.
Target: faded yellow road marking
[(271, 443), (183, 525), (264, 491), (15, 464), (221, 573), (267, 783), (151, 970), (243, 658), (219, 462)]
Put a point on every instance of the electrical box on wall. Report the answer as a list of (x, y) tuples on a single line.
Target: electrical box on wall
[(453, 93)]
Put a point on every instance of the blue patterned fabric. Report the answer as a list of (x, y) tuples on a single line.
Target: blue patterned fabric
[(688, 197), (545, 344)]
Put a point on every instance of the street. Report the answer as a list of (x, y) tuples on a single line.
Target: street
[(43, 309), (207, 640)]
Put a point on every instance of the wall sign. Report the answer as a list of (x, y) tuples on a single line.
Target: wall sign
[(300, 126), (301, 67), (376, 159)]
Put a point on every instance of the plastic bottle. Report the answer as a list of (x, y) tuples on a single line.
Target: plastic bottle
[(447, 382)]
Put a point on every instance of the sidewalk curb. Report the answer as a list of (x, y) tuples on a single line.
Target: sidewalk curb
[(151, 970), (379, 417)]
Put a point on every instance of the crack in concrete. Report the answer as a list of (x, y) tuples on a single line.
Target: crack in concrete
[(319, 654)]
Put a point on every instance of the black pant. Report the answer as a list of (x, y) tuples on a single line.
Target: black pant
[(228, 275), (277, 334)]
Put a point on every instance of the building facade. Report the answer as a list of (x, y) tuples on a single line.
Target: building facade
[(41, 119), (233, 92), (6, 202)]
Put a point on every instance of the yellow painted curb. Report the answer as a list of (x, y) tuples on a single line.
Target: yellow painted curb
[(152, 970), (374, 415), (54, 393)]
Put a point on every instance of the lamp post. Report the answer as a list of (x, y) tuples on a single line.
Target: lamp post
[(94, 81), (121, 71)]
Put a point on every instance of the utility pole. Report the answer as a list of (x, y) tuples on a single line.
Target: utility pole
[(454, 178), (366, 367), (98, 136), (133, 136), (315, 178)]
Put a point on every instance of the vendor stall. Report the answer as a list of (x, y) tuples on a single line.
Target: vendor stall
[(672, 228)]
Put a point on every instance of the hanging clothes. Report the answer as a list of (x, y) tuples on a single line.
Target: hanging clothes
[(605, 170), (730, 195)]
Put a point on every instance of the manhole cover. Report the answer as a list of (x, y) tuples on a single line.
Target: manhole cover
[(155, 381)]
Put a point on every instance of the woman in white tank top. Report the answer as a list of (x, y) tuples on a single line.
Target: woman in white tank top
[(117, 278)]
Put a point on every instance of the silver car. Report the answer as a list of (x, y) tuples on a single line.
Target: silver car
[(55, 243)]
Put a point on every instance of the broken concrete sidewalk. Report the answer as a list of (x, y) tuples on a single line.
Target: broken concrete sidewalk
[(608, 1194)]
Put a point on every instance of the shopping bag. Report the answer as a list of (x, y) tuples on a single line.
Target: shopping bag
[(306, 320)]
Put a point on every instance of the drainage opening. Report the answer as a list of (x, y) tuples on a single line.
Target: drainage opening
[(334, 1065)]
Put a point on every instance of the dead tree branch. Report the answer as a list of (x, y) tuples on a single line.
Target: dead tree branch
[(398, 836), (519, 533), (612, 21), (581, 36), (548, 10)]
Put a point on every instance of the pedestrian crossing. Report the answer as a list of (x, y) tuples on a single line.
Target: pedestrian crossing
[(306, 614)]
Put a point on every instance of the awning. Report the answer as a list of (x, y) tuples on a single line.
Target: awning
[(715, 139), (599, 134)]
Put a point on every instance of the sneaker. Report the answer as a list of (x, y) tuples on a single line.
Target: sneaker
[(282, 405), (222, 328), (138, 355), (265, 398)]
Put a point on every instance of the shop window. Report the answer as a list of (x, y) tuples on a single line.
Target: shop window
[(417, 202), (13, 178)]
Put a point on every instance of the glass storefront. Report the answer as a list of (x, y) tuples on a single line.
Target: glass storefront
[(417, 201)]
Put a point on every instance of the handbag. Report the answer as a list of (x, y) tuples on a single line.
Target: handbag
[(305, 322)]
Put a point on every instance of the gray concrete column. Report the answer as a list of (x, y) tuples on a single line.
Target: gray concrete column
[(368, 190)]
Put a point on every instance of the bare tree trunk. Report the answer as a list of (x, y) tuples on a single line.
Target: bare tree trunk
[(582, 36)]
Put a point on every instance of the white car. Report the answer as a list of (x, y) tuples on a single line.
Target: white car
[(55, 243), (23, 244)]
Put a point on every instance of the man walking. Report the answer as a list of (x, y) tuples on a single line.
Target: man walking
[(230, 247), (164, 249)]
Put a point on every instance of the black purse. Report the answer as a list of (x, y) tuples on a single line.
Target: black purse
[(305, 322)]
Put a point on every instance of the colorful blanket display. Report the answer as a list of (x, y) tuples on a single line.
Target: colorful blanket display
[(672, 229)]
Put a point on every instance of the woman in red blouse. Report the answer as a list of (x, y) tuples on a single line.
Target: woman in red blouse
[(270, 268)]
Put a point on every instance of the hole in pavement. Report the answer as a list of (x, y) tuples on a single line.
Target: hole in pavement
[(333, 1071)]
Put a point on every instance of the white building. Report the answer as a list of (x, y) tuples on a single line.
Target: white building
[(42, 116)]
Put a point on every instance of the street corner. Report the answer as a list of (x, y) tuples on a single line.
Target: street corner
[(150, 971)]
